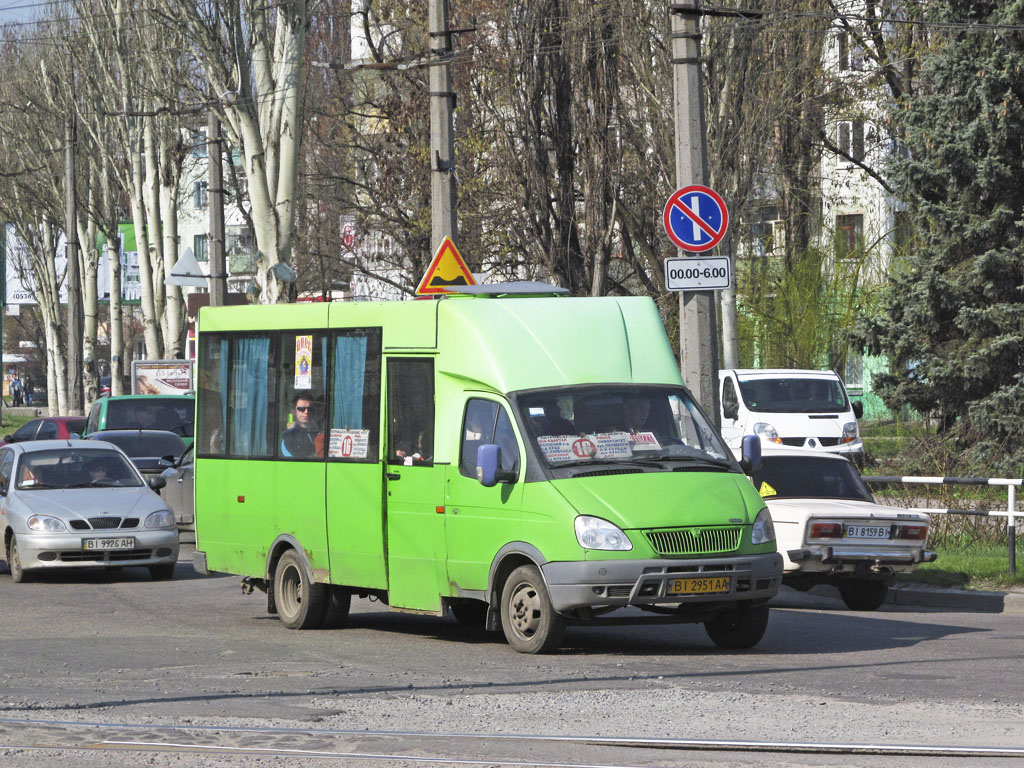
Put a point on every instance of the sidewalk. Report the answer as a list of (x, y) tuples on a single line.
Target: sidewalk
[(911, 595)]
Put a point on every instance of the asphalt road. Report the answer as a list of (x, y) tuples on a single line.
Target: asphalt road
[(101, 669)]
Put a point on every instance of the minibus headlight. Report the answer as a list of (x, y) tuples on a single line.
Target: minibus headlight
[(767, 432), (849, 432), (45, 524), (595, 533), (763, 530)]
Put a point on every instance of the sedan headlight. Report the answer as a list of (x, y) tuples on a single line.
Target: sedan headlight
[(766, 431), (763, 530), (46, 524), (595, 533), (849, 431), (162, 518)]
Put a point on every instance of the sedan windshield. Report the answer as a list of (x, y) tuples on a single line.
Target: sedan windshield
[(809, 477), (620, 424), (75, 468)]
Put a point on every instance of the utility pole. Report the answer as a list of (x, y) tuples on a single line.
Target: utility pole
[(442, 139), (698, 322), (215, 190), (71, 273)]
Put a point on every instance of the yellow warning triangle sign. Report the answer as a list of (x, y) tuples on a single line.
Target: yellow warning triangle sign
[(447, 268), (766, 490)]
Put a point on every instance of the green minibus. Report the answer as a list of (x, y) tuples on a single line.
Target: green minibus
[(526, 460)]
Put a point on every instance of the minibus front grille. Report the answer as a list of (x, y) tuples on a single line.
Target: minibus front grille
[(694, 541)]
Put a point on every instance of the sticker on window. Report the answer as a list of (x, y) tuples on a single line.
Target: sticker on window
[(348, 443), (612, 445), (556, 447), (303, 362), (644, 441)]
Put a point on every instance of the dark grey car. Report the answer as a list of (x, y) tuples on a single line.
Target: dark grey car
[(178, 493)]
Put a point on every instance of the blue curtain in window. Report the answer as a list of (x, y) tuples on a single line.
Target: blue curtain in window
[(222, 384), (349, 378), (250, 385)]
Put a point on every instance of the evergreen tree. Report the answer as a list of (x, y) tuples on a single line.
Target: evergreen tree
[(952, 321)]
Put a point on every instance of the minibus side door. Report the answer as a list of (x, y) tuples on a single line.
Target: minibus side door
[(414, 499)]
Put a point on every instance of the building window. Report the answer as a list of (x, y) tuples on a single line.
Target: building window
[(201, 248), (850, 55), (849, 232), (199, 143), (200, 195), (850, 139)]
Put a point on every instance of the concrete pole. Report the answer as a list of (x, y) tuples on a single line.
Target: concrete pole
[(215, 189), (442, 133), (75, 401), (698, 322)]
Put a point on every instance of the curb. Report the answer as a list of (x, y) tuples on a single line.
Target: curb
[(911, 595)]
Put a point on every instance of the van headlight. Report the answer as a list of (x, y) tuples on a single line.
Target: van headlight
[(766, 431), (595, 533), (162, 518), (45, 524), (850, 432), (763, 530)]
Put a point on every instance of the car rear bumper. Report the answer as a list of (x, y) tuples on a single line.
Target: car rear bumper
[(66, 550), (832, 559), (615, 583)]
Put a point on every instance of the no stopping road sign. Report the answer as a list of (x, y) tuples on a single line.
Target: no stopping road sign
[(696, 218)]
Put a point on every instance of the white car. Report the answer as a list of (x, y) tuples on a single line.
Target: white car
[(830, 530), (77, 503)]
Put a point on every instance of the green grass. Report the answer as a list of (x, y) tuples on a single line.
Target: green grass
[(11, 421), (980, 567)]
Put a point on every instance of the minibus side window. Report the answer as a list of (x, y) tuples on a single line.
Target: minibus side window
[(211, 395), (485, 422), (300, 427), (355, 396), (411, 411), (250, 398)]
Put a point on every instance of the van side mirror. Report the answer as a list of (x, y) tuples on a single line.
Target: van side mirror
[(858, 408), (751, 461), (488, 467), (157, 482), (730, 410)]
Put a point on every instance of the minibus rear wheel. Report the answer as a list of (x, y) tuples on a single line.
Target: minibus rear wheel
[(528, 619), (301, 602), (742, 628)]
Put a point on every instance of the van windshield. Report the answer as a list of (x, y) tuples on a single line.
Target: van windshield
[(794, 395), (619, 423), (174, 414)]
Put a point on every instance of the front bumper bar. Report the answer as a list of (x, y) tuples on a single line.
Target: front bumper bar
[(618, 583)]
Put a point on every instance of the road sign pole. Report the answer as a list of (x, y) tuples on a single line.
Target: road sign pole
[(698, 322), (442, 140)]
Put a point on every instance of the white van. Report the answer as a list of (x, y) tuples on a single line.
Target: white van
[(787, 407)]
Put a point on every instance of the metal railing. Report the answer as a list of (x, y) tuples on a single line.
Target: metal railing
[(1010, 513)]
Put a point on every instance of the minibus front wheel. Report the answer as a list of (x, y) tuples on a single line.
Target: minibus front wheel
[(530, 623), (740, 628), (301, 602)]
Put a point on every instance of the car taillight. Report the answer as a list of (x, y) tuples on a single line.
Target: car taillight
[(826, 530), (915, 532)]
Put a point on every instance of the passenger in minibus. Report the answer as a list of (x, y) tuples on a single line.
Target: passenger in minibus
[(302, 440)]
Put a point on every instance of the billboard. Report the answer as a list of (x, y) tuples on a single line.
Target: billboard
[(161, 377)]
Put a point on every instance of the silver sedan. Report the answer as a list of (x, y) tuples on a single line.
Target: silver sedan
[(75, 503)]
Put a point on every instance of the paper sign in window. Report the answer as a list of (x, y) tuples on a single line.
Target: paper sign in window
[(348, 443), (303, 362)]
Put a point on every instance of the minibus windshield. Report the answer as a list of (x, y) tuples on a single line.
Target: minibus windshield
[(619, 423), (790, 395)]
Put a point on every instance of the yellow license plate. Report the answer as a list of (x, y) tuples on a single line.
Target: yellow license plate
[(699, 586)]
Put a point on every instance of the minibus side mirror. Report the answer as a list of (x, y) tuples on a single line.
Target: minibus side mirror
[(751, 461), (858, 409), (488, 467), (731, 411), (157, 482)]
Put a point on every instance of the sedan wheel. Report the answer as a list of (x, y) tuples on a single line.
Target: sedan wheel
[(162, 572), (863, 594), (18, 575)]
